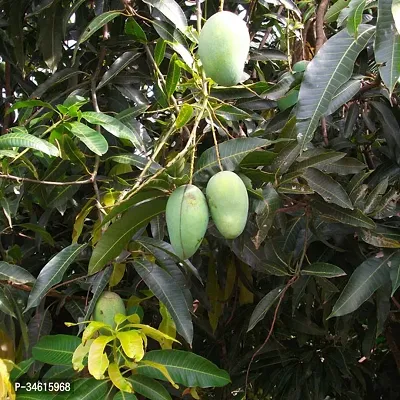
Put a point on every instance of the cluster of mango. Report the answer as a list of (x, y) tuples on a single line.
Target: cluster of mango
[(188, 212)]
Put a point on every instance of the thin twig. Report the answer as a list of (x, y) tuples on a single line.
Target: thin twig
[(50, 293), (282, 295), (178, 157), (20, 179), (215, 141)]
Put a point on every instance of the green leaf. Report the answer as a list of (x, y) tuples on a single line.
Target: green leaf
[(329, 69), (29, 104), (395, 272), (334, 11), (185, 368), (231, 154), (5, 305), (232, 113), (396, 14), (21, 138), (354, 19), (89, 389), (319, 160), (334, 213), (117, 66), (258, 158), (387, 45), (137, 161), (173, 75), (159, 51), (118, 235), (323, 270), (365, 280), (114, 126), (263, 306), (265, 213), (51, 36), (344, 166), (94, 26), (56, 349), (301, 323), (327, 187), (15, 274), (52, 273), (184, 116), (133, 29), (381, 237), (172, 10), (124, 396), (55, 79), (344, 94), (149, 388), (286, 157), (168, 292), (94, 140), (375, 196)]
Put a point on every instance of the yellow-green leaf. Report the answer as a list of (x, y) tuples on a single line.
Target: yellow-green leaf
[(117, 379), (153, 333), (92, 328), (98, 360), (167, 326), (163, 370), (132, 344), (79, 354), (117, 274)]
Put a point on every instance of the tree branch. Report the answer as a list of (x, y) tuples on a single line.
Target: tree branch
[(319, 24), (20, 179)]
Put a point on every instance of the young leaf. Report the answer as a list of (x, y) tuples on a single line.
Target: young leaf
[(98, 359), (117, 379), (132, 344)]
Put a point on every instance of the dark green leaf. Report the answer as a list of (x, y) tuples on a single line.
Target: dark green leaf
[(133, 29), (327, 187), (15, 274), (167, 290), (149, 388), (365, 280), (94, 140), (263, 306), (172, 10), (323, 270), (56, 349), (52, 273), (329, 69), (185, 368), (173, 75)]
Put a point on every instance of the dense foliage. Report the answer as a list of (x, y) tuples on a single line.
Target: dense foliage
[(105, 111)]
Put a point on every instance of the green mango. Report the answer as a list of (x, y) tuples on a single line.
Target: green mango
[(224, 44), (187, 219), (107, 307), (229, 203)]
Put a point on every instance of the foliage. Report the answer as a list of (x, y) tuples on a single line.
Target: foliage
[(106, 111)]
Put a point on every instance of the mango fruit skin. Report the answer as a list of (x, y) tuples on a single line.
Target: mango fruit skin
[(224, 44), (229, 203), (187, 219), (107, 307)]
